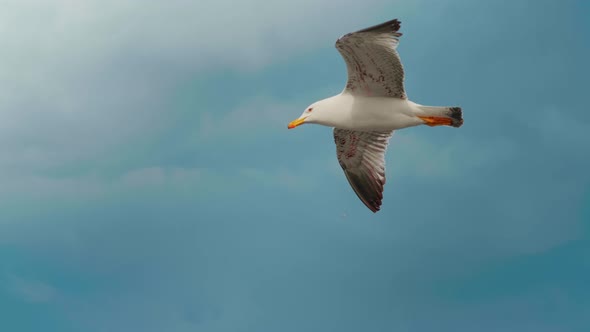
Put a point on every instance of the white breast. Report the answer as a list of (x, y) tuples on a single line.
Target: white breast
[(376, 113)]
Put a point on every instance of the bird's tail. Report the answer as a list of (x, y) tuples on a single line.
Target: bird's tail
[(441, 116)]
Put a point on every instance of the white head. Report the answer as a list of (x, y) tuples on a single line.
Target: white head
[(318, 112)]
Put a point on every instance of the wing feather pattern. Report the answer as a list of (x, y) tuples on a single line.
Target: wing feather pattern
[(373, 64), (362, 158)]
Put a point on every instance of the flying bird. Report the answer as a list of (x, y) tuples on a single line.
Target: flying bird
[(371, 107)]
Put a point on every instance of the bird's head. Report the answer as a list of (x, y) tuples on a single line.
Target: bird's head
[(314, 113)]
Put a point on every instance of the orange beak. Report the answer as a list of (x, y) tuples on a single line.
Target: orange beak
[(296, 123)]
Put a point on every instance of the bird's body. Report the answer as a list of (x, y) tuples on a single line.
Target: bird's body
[(371, 107), (369, 113)]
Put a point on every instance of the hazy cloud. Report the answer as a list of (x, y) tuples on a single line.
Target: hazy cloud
[(33, 291), (149, 182)]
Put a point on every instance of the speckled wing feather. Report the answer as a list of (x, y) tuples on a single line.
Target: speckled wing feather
[(361, 155), (373, 64)]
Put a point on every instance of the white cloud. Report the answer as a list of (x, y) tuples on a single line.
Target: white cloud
[(557, 125), (284, 178), (251, 117), (70, 35), (84, 80), (412, 153), (159, 176), (29, 290)]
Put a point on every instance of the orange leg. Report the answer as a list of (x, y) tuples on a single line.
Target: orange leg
[(436, 121)]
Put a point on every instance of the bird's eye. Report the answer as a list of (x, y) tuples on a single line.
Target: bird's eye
[(309, 109)]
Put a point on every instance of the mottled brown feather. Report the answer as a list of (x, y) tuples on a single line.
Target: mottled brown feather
[(373, 64), (361, 155)]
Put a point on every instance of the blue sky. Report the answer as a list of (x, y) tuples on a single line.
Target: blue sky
[(149, 182)]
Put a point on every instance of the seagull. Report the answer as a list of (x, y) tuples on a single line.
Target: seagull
[(371, 107)]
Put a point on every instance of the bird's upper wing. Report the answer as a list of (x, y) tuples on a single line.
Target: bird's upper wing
[(361, 155), (373, 64)]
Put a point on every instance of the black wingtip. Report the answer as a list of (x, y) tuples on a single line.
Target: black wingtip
[(370, 195), (373, 206), (394, 25), (457, 116)]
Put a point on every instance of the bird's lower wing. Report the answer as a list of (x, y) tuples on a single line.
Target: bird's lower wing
[(361, 155)]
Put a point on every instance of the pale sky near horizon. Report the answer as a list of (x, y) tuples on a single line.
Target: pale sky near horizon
[(148, 181)]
